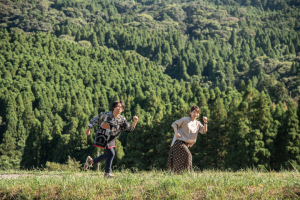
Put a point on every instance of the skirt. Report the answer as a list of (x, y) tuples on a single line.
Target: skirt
[(180, 157)]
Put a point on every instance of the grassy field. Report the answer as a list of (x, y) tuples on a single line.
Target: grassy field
[(248, 184)]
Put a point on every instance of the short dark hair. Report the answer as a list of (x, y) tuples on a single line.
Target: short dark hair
[(194, 108), (116, 103)]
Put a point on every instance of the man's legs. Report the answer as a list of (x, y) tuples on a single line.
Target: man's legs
[(90, 161), (100, 158), (110, 154)]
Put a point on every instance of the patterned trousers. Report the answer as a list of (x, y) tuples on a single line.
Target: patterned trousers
[(180, 157)]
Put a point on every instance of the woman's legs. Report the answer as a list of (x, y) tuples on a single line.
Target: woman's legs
[(180, 158), (188, 161), (183, 160)]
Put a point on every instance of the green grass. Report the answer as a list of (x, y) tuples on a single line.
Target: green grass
[(249, 184)]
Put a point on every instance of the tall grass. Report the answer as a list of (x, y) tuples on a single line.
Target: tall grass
[(211, 184)]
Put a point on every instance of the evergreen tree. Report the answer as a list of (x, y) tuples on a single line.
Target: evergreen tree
[(212, 146), (279, 119), (94, 40), (183, 71), (9, 154), (290, 138), (239, 150), (293, 70), (233, 39), (78, 36), (263, 121)]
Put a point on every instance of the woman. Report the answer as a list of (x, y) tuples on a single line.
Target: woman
[(186, 130), (110, 126)]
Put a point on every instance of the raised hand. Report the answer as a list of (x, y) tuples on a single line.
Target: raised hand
[(205, 119), (135, 119), (88, 131)]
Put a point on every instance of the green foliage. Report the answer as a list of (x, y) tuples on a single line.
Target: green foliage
[(159, 58), (180, 36), (71, 165), (291, 138)]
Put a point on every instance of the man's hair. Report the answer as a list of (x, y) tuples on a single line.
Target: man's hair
[(194, 108), (116, 103)]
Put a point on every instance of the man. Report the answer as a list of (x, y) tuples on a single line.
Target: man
[(110, 126)]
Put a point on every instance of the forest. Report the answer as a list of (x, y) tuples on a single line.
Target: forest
[(63, 61)]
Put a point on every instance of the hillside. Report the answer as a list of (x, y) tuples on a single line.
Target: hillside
[(63, 62), (216, 44), (50, 88)]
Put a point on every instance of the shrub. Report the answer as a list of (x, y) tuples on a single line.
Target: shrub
[(71, 165)]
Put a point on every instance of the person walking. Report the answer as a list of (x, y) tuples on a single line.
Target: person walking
[(110, 126), (186, 131)]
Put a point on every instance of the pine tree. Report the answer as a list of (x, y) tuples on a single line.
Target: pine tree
[(183, 71), (94, 40), (212, 146), (9, 154), (278, 116), (292, 48), (68, 31), (239, 150), (293, 70), (245, 144), (32, 154), (290, 143), (263, 121), (78, 36), (233, 39)]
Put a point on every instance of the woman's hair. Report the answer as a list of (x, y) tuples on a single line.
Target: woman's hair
[(194, 108), (116, 103)]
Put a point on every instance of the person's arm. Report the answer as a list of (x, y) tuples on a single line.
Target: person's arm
[(127, 127), (177, 124), (176, 131), (205, 124), (93, 122), (88, 131), (191, 144), (203, 129), (135, 120)]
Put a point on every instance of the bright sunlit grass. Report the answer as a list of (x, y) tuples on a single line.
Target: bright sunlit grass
[(247, 184)]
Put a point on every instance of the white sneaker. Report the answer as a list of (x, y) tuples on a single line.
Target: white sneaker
[(108, 175), (88, 163)]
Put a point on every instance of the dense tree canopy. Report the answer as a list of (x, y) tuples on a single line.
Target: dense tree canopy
[(63, 62)]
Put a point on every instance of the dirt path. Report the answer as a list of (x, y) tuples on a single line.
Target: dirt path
[(8, 176), (12, 175)]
